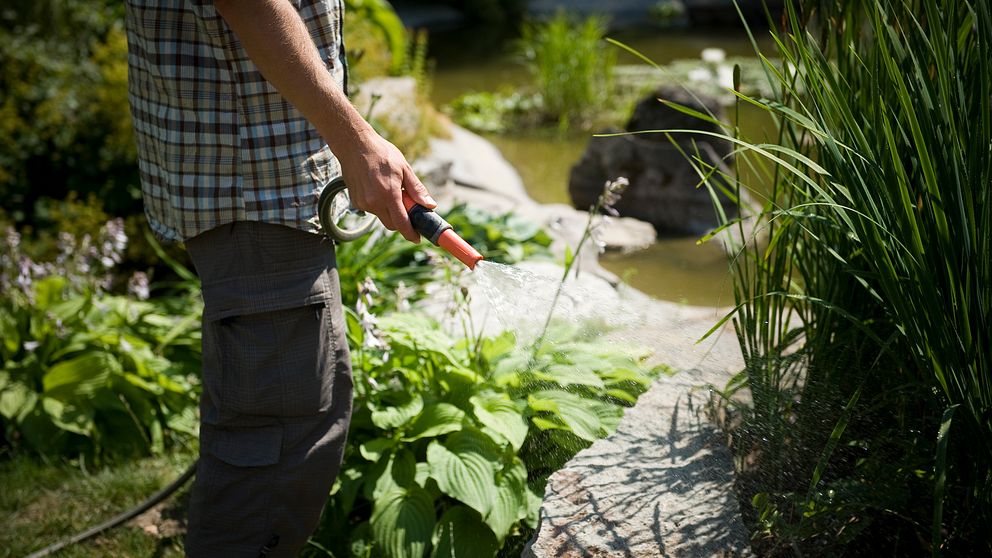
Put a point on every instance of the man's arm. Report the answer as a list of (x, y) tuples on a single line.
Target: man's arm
[(279, 44)]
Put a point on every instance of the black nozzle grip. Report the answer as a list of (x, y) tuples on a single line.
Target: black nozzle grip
[(428, 223)]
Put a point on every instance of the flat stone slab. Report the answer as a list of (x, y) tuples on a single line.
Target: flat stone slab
[(660, 486)]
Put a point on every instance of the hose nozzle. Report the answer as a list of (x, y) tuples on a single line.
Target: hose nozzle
[(434, 228)]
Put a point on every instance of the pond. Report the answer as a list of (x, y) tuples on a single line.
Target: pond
[(675, 269)]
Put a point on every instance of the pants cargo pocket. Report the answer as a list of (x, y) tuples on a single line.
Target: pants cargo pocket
[(278, 363)]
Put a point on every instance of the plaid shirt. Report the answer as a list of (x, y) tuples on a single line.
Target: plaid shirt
[(216, 142)]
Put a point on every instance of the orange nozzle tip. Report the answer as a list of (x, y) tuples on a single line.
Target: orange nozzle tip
[(457, 247)]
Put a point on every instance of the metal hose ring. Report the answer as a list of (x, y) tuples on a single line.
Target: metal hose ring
[(338, 218)]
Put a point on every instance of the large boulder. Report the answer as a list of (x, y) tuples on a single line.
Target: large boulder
[(664, 186)]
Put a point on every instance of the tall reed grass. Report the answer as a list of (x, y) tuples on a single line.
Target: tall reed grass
[(570, 65), (864, 313)]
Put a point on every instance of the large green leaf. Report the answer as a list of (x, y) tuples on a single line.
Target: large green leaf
[(421, 335), (402, 522), (464, 468), (508, 371), (500, 415), (80, 376), (9, 333), (16, 399), (577, 413), (571, 375), (496, 347), (436, 420), (48, 292), (69, 417), (399, 474), (511, 504), (393, 416), (375, 448), (461, 534)]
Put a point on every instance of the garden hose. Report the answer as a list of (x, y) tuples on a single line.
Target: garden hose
[(338, 218), (127, 515)]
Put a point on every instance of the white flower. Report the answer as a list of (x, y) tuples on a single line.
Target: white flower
[(725, 76), (700, 74), (137, 285), (713, 55), (403, 294)]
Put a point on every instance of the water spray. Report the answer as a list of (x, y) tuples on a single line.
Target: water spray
[(344, 223)]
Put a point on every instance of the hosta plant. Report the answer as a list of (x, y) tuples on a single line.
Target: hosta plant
[(452, 440)]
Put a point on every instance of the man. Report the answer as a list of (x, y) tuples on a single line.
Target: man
[(238, 106)]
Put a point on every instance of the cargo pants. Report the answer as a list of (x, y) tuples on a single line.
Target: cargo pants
[(277, 389)]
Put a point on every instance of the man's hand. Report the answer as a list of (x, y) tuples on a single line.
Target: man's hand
[(376, 174), (279, 44)]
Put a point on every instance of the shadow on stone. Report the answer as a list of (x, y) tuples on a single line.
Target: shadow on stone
[(660, 486)]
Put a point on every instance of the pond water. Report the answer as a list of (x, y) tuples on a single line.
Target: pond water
[(676, 269)]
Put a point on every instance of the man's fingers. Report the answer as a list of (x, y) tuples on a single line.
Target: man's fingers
[(416, 189), (402, 221)]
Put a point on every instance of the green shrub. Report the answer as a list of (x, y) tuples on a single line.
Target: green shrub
[(84, 372), (64, 118), (570, 65), (452, 440)]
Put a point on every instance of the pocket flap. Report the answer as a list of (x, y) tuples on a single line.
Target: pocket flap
[(243, 447)]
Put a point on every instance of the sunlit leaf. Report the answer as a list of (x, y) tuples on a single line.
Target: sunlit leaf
[(399, 474), (391, 416), (375, 448), (80, 376), (402, 522), (68, 417), (579, 414), (497, 412), (436, 420), (510, 505), (464, 468)]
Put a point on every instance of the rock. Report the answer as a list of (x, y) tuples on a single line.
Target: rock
[(660, 486), (477, 164), (663, 183), (392, 101)]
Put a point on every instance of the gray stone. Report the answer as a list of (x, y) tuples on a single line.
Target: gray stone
[(663, 187), (662, 485)]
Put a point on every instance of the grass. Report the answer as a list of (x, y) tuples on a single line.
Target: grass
[(863, 303), (41, 504)]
